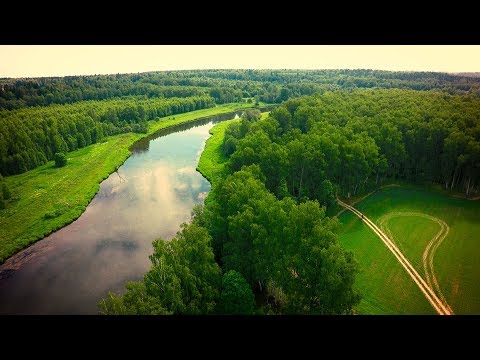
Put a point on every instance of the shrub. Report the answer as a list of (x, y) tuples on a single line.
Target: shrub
[(60, 159)]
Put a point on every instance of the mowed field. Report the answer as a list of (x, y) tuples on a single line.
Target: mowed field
[(417, 220)]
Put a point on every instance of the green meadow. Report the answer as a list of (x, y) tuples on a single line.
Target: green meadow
[(410, 216)]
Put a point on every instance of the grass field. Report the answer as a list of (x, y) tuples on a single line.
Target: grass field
[(47, 198), (212, 161), (385, 285)]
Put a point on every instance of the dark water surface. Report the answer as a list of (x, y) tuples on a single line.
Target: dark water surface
[(152, 193)]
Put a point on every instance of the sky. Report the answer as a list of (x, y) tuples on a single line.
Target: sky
[(63, 60)]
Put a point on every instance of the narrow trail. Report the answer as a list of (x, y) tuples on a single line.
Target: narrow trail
[(430, 250), (434, 300)]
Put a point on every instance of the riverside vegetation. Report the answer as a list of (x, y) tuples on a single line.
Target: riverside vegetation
[(268, 230)]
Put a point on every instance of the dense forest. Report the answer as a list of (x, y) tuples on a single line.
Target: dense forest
[(30, 137), (271, 86), (265, 225), (32, 130), (346, 143)]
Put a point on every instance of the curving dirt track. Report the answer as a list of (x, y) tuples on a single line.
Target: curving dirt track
[(440, 306), (429, 252)]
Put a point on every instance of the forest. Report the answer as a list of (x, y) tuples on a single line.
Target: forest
[(30, 137), (349, 143), (101, 105), (270, 86), (264, 226)]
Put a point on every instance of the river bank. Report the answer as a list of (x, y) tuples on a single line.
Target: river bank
[(147, 198), (46, 199)]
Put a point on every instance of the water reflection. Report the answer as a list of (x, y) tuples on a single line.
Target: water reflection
[(143, 145), (149, 196)]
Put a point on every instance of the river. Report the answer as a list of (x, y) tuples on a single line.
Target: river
[(149, 196)]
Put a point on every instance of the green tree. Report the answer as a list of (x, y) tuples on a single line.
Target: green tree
[(314, 272), (183, 279), (60, 159), (327, 193), (252, 114), (237, 296)]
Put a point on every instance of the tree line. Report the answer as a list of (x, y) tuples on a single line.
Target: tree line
[(30, 137), (271, 86), (347, 143)]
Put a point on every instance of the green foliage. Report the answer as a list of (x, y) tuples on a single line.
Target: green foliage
[(135, 301), (351, 143), (113, 305), (6, 193), (237, 296), (43, 201), (184, 278), (213, 160), (289, 245), (252, 114), (327, 194), (60, 159), (312, 148), (30, 137), (224, 85)]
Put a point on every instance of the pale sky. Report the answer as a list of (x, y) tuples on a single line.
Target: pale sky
[(62, 60)]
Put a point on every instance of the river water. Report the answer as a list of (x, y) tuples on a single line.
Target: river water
[(149, 196)]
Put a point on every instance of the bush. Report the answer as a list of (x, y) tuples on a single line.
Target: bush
[(60, 159), (6, 192)]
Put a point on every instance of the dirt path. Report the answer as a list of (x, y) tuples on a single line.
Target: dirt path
[(430, 249), (437, 304)]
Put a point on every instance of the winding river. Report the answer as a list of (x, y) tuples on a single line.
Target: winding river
[(149, 196)]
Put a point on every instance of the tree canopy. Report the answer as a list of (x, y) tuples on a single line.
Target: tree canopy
[(343, 143), (184, 279), (30, 137), (271, 86)]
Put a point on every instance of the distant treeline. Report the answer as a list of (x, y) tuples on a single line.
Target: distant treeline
[(271, 86), (30, 137)]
